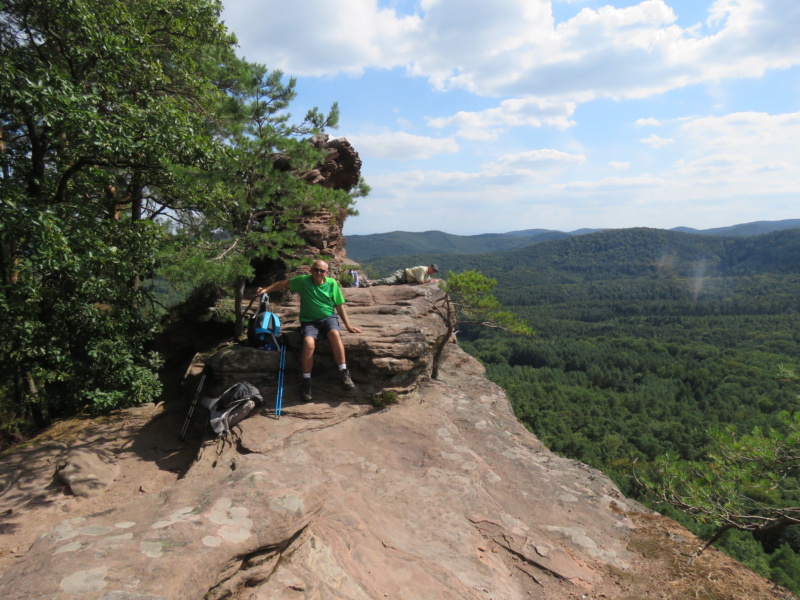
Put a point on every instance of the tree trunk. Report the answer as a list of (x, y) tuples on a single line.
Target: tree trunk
[(437, 357), (137, 200), (451, 326), (238, 328), (25, 394), (450, 317), (708, 544), (9, 262)]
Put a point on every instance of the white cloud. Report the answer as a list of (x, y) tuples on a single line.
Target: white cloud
[(712, 162), (743, 151), (763, 132), (487, 124), (535, 74), (308, 37), (615, 183), (656, 141), (402, 146), (514, 47), (534, 166), (533, 159), (479, 202)]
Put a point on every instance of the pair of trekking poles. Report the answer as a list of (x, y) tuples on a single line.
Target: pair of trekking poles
[(263, 309), (265, 325)]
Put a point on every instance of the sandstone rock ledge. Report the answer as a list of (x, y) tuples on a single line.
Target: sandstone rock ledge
[(400, 330), (442, 496)]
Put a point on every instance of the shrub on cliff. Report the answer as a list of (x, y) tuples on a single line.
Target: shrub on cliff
[(467, 300)]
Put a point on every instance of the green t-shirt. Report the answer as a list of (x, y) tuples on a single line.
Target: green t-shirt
[(316, 301)]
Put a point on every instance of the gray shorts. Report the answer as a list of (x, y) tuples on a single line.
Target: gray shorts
[(320, 329)]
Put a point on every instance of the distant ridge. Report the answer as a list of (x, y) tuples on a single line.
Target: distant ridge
[(745, 229), (621, 253), (403, 243), (394, 243)]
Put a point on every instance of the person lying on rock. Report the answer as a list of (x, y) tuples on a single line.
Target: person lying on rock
[(412, 275), (320, 299)]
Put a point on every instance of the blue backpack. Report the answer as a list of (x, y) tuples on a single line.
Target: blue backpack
[(264, 327)]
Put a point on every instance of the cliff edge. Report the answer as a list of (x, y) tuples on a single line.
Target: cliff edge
[(443, 495)]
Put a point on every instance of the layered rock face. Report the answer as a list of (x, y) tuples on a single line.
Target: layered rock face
[(400, 326), (322, 230)]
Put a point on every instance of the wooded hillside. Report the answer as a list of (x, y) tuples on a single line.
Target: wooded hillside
[(395, 243), (643, 340)]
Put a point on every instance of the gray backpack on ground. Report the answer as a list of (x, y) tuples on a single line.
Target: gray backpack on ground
[(232, 406)]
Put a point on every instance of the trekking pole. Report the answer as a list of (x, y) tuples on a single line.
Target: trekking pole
[(253, 299), (192, 406), (264, 297), (279, 398)]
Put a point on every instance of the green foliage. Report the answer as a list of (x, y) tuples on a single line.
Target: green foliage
[(784, 568), (74, 325), (644, 341), (745, 481), (467, 300), (379, 245), (97, 100), (258, 189), (384, 399), (622, 257), (132, 140)]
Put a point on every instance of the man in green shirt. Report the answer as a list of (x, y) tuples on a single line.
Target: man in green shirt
[(320, 299)]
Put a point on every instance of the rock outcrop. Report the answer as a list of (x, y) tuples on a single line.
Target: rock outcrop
[(341, 169), (321, 230), (444, 495), (400, 327), (322, 233)]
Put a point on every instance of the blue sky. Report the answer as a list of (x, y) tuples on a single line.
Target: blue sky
[(474, 117)]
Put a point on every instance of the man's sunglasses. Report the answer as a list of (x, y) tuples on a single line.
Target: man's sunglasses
[(319, 270)]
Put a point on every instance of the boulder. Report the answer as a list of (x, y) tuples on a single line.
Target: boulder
[(89, 472)]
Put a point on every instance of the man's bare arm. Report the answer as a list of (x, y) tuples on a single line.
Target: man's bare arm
[(278, 285), (343, 316)]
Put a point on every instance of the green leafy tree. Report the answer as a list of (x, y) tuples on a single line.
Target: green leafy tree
[(259, 186), (467, 299), (785, 568), (100, 102), (745, 482)]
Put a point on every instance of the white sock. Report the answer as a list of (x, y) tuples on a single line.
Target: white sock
[(343, 366), (306, 375)]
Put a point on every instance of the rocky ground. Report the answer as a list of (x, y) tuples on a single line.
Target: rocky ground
[(442, 495)]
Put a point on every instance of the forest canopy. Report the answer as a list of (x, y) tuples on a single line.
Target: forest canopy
[(646, 343)]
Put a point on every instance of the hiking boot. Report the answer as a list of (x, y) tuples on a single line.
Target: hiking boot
[(347, 383), (306, 389)]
